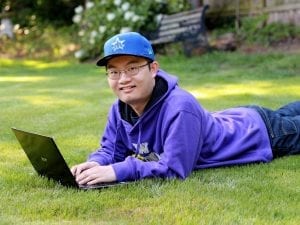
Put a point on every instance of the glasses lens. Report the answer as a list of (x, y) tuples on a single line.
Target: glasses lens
[(132, 70), (113, 74)]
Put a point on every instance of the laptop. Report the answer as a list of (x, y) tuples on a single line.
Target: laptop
[(47, 160)]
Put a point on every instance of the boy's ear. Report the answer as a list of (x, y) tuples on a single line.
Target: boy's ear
[(154, 66)]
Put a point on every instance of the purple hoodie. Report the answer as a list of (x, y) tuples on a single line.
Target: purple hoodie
[(184, 135)]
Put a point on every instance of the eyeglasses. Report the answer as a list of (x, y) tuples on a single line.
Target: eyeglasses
[(129, 71)]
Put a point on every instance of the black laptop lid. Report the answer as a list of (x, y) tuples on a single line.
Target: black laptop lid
[(45, 157)]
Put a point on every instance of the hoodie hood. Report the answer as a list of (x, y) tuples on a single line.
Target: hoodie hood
[(171, 80)]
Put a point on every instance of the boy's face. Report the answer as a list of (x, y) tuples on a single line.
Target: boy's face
[(134, 90)]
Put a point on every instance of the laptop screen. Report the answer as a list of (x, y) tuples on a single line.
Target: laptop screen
[(45, 157)]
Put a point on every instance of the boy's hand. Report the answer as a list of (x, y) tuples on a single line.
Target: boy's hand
[(92, 173)]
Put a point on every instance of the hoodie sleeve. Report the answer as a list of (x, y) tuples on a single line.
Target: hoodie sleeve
[(181, 148), (106, 155)]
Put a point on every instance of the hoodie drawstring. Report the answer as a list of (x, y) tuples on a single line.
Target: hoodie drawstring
[(137, 152)]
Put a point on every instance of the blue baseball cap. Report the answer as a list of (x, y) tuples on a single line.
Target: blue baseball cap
[(130, 43)]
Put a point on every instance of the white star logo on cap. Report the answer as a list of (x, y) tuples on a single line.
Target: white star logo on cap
[(150, 52), (118, 44)]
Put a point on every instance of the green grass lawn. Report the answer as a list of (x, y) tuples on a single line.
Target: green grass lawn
[(70, 101)]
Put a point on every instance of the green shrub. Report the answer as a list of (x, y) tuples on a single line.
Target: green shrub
[(257, 30), (39, 42)]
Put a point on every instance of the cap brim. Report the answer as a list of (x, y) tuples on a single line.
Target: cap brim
[(103, 61)]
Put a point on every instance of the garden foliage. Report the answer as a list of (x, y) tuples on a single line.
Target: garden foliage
[(100, 19)]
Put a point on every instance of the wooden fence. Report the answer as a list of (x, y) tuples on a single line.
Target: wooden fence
[(285, 11)]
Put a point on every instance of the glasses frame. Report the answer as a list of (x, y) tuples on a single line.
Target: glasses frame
[(126, 71)]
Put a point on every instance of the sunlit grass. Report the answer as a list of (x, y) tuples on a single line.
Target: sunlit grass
[(23, 79), (70, 101), (260, 89), (37, 64), (211, 92), (45, 65), (46, 101)]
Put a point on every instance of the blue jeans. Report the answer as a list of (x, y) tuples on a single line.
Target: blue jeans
[(283, 126)]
